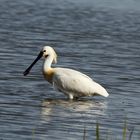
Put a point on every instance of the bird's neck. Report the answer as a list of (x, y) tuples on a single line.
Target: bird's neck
[(47, 70), (47, 64)]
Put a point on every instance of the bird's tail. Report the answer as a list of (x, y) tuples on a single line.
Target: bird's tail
[(101, 90)]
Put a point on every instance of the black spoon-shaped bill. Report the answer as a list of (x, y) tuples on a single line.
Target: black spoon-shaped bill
[(30, 67)]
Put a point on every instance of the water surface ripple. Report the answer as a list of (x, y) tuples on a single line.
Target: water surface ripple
[(101, 39)]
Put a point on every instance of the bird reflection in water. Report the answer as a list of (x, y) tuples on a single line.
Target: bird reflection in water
[(67, 108)]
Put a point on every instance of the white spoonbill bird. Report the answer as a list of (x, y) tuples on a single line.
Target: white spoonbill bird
[(72, 83)]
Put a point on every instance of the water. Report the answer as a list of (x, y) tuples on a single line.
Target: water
[(99, 39)]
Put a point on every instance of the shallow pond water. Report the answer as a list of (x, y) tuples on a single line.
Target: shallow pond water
[(98, 39)]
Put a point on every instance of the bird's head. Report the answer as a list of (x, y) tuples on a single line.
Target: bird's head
[(49, 52), (46, 52)]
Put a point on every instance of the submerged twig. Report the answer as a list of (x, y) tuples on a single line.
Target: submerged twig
[(84, 136), (130, 136)]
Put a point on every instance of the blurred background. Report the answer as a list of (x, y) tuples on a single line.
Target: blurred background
[(98, 38)]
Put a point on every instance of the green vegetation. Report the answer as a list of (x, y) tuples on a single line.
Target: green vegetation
[(124, 130), (125, 136), (97, 131)]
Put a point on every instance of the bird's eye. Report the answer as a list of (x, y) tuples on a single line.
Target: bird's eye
[(46, 56)]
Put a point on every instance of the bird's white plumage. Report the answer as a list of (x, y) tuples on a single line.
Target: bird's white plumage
[(71, 82), (76, 84)]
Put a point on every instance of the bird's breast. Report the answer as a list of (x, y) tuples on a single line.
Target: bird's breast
[(48, 75)]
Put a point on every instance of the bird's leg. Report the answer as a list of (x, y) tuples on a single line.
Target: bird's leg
[(70, 96), (76, 98)]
